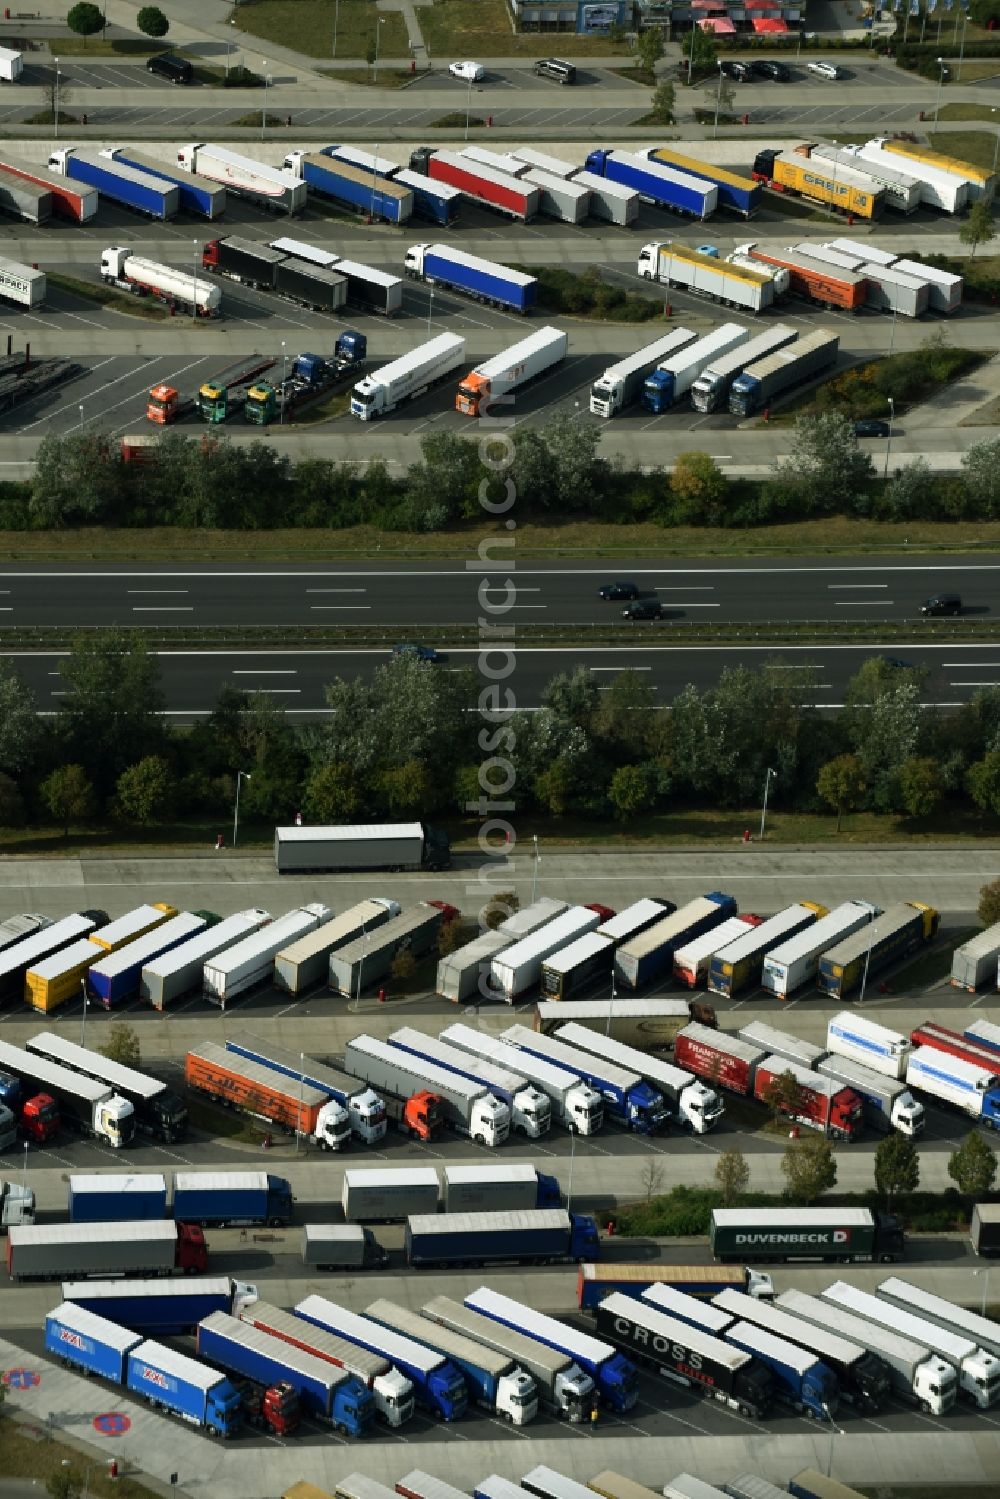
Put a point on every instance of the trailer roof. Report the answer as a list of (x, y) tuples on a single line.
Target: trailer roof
[(653, 1069), (354, 1486), (150, 944), (982, 946), (578, 951), (643, 1274), (950, 1345), (759, 1033), (758, 347), (331, 933), (459, 1175), (372, 832), (707, 169), (712, 941), (676, 922), (134, 923), (759, 1340), (207, 943), (78, 954), (417, 358), (448, 1342), (553, 164), (61, 1050), (419, 182), (523, 1220), (220, 1181), (822, 1486), (296, 1090), (248, 164), (359, 1329), (272, 935), (847, 1021), (891, 920), (269, 1346), (476, 262), (495, 1487), (294, 1065), (722, 1041), (558, 1485), (78, 1319), (568, 1010), (520, 352), (666, 173), (434, 1073), (40, 1069), (844, 156), (164, 169), (168, 1361), (985, 1330), (529, 918), (792, 1217), (941, 1064), (557, 933), (658, 1324), (474, 952), (818, 339), (535, 1069), (117, 1182), (825, 932), (640, 913), (181, 1286), (774, 1319), (140, 1230), (301, 251), (377, 278), (391, 1176), (482, 1070), (573, 1058), (526, 1319), (594, 181), (617, 1486), (323, 1345), (650, 354), (667, 1298), (868, 1334), (120, 168), (422, 1484), (762, 937), (556, 182)]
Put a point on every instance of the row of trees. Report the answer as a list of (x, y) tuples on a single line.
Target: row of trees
[(556, 472), (403, 744)]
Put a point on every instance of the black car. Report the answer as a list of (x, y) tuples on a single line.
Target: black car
[(741, 71), (425, 653), (643, 609), (620, 590), (764, 68), (871, 426), (942, 603)]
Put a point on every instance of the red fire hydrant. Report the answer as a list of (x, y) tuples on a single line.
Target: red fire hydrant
[(381, 996)]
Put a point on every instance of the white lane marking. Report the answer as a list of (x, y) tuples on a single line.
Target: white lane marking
[(162, 608), (863, 603), (621, 668), (157, 590), (265, 671), (857, 585), (336, 590), (329, 607)]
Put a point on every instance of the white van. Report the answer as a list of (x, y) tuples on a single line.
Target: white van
[(824, 69)]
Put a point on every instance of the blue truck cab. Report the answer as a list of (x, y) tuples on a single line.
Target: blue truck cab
[(351, 348), (800, 1378), (231, 1198), (657, 391), (550, 1195), (628, 1099), (185, 1387)]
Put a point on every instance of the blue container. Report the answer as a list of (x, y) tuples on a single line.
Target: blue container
[(236, 1198), (116, 977), (493, 282), (667, 187), (184, 1386), (364, 191), (195, 195), (153, 1308), (89, 1341), (655, 960), (122, 184), (117, 1199), (434, 201)]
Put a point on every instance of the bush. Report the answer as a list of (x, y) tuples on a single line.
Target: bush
[(684, 1212)]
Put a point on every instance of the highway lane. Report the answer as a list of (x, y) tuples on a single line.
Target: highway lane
[(373, 596)]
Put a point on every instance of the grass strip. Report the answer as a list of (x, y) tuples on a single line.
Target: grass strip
[(106, 296), (32, 1453), (309, 28)]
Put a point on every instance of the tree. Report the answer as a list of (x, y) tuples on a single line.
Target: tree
[(981, 472), (371, 52), (663, 103), (630, 791), (86, 20), (841, 784), (882, 721), (624, 715), (123, 1045), (982, 781), (498, 908), (826, 466), (447, 937), (109, 716), (897, 1166), (331, 793), (143, 790), (13, 813), (919, 785), (652, 1176), (698, 489), (63, 1483), (989, 903), (977, 227), (973, 1166), (68, 795), (784, 1094), (701, 50), (810, 1168), (19, 724), (403, 966), (650, 48), (912, 492), (732, 1175), (151, 21)]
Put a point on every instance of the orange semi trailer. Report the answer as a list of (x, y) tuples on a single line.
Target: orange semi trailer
[(286, 1102)]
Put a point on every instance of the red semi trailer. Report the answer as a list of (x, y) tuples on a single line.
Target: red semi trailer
[(810, 278), (956, 1045)]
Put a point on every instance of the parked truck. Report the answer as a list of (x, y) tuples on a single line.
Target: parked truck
[(693, 960), (305, 963), (462, 974), (406, 378), (975, 962), (787, 368), (341, 1246), (942, 1038), (391, 1392), (70, 200), (156, 1308), (686, 1355), (17, 1201), (530, 1109), (519, 967), (649, 1024), (849, 1034), (737, 193), (820, 1103), (585, 963), (664, 186), (944, 289), (902, 190), (576, 1104), (438, 1386), (901, 929), (486, 186), (689, 1103), (595, 1282), (671, 263), (437, 202), (196, 194), (326, 1393), (984, 1331), (238, 1082), (886, 1104), (57, 1251), (673, 377), (984, 1033), (612, 202), (938, 188), (984, 1233), (863, 1376), (468, 1107), (473, 1189), (559, 198), (351, 186), (784, 1235), (740, 965), (116, 978), (499, 378), (847, 189), (327, 848), (778, 1043), (388, 1194), (232, 1199), (168, 1380), (814, 279), (484, 280), (627, 1097), (179, 971), (158, 1110), (978, 1372), (24, 199), (917, 1375), (793, 963), (363, 1112), (269, 187), (710, 392), (251, 961), (562, 1387), (495, 1382), (538, 1236), (615, 1377), (622, 382), (644, 957), (116, 181), (965, 1085), (89, 1106), (22, 285), (117, 1198)]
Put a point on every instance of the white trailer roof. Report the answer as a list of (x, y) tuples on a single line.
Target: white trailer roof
[(112, 1290), (332, 932), (359, 1486), (929, 273), (552, 164), (78, 1319), (124, 927), (270, 938), (484, 158), (624, 923), (168, 1361), (983, 946), (79, 953), (848, 1023), (116, 1182), (758, 1033), (376, 277), (556, 182), (553, 1485), (670, 174), (765, 935), (684, 1486), (495, 1487), (391, 1176), (151, 943), (847, 917), (529, 918), (240, 163), (573, 1058), (590, 945), (372, 832), (711, 942), (207, 943), (889, 176), (140, 1230), (647, 357), (597, 183), (51, 1073), (869, 1334), (477, 263), (687, 1308), (755, 348), (490, 1073), (759, 1340), (537, 1069), (61, 1050), (466, 1223), (550, 937), (972, 1076), (870, 254), (421, 1484), (448, 1342), (426, 353), (986, 1032), (660, 1325), (220, 1181), (923, 171), (428, 1072), (653, 1069), (984, 1330), (950, 1345), (358, 1329), (719, 341), (519, 353), (785, 1325), (566, 1011), (460, 1175), (681, 920), (302, 251), (475, 952), (381, 165), (419, 182), (536, 1324), (792, 1217)]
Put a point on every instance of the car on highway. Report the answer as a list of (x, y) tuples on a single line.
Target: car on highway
[(764, 68), (410, 652), (620, 590), (942, 603), (469, 72), (871, 426), (741, 71), (828, 70), (643, 609)]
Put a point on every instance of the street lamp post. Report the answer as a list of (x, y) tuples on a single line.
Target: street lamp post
[(302, 1086), (694, 27), (263, 111), (718, 101), (611, 1006), (868, 958), (961, 49), (835, 1431), (284, 376), (534, 871), (985, 1273), (468, 105), (83, 1018), (937, 106), (80, 409), (24, 1169), (378, 34), (572, 1163), (241, 775), (56, 120), (336, 23), (767, 786), (430, 308), (888, 441)]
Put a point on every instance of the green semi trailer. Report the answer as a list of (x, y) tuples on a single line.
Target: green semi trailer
[(833, 1235)]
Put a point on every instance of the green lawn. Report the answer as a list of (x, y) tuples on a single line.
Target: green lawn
[(967, 112), (95, 46), (387, 77), (107, 296), (30, 1453), (481, 28), (307, 27)]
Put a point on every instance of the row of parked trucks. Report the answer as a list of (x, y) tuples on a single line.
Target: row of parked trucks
[(861, 180), (546, 1483)]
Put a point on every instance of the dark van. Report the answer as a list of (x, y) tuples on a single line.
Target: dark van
[(169, 65), (557, 68)]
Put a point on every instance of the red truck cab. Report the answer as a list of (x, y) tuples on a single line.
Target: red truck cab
[(276, 1408), (38, 1118), (192, 1251)]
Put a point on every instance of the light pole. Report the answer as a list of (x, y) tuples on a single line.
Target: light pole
[(572, 1163), (611, 1006), (430, 308), (24, 1169), (888, 441), (835, 1431), (694, 25), (83, 1018), (56, 120), (80, 409), (718, 101), (985, 1273), (284, 374), (241, 775), (468, 105), (378, 35), (336, 23), (937, 106), (534, 872), (195, 255), (371, 209), (302, 1085), (868, 958), (263, 111), (767, 786)]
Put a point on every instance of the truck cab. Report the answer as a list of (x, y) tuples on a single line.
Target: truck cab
[(18, 1203), (275, 1408), (699, 1108), (585, 1240), (393, 1395), (162, 404), (213, 402), (333, 1127), (39, 1118), (490, 1121), (261, 406)]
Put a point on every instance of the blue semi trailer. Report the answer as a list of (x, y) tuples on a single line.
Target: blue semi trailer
[(366, 192), (544, 1236), (628, 1098), (484, 280), (231, 1198), (117, 1198), (666, 187), (153, 196), (195, 194), (160, 1308), (433, 200)]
